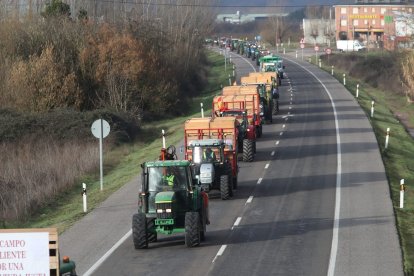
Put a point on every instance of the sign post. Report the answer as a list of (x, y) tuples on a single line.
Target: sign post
[(100, 129), (316, 52), (302, 45)]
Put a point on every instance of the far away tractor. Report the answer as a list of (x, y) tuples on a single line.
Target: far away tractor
[(170, 201)]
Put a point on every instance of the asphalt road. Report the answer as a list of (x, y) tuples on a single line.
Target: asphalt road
[(314, 202)]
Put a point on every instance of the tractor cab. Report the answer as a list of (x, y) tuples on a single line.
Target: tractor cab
[(209, 161), (170, 201)]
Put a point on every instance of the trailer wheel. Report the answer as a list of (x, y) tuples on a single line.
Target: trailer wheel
[(139, 231), (192, 229), (224, 187), (248, 150)]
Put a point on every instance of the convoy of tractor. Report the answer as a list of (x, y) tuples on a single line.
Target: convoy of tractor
[(174, 194)]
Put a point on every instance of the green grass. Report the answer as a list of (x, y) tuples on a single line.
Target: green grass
[(122, 163), (397, 157)]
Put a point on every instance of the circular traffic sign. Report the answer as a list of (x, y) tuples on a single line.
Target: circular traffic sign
[(328, 51), (100, 128), (316, 48), (302, 45)]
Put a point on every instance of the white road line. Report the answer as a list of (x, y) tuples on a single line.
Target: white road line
[(335, 231), (236, 223), (277, 143), (107, 254), (220, 252), (267, 166), (286, 119), (272, 153), (290, 107), (249, 200), (281, 134), (259, 180), (283, 126), (289, 113)]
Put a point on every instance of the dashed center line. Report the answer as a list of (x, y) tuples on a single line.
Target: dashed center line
[(249, 200), (272, 153), (277, 143), (220, 252), (286, 119), (283, 126), (259, 180), (267, 165), (236, 223), (281, 134), (290, 107)]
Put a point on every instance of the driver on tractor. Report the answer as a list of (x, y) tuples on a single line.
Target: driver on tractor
[(209, 155)]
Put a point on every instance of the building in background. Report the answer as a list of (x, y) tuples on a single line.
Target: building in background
[(377, 26), (240, 18)]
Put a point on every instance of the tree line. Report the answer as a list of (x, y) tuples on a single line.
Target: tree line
[(142, 64)]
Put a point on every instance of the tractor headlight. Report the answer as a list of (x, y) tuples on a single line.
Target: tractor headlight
[(168, 210), (160, 211)]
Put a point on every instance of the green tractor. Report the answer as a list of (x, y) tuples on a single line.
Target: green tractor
[(170, 201)]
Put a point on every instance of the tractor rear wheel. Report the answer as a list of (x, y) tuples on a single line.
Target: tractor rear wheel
[(224, 187), (248, 150), (139, 231), (192, 229)]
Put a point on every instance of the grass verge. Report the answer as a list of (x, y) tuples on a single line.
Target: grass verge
[(389, 109), (125, 160)]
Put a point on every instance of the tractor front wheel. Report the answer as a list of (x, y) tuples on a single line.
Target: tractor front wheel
[(248, 150), (152, 234), (139, 231), (224, 187), (192, 229)]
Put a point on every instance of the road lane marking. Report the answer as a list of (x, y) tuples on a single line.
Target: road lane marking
[(286, 119), (335, 231), (288, 112), (277, 143), (283, 126), (107, 254), (220, 252), (236, 223), (281, 133), (290, 107), (249, 200), (267, 166), (273, 153), (259, 180)]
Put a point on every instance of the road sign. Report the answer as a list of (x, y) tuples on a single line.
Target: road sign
[(328, 51), (302, 45), (100, 128), (316, 48)]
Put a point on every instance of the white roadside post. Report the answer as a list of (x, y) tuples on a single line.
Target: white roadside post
[(163, 139), (100, 129), (296, 54), (202, 110), (372, 109), (357, 92), (344, 79), (387, 138), (402, 189), (234, 71), (229, 79), (320, 63), (84, 197), (332, 67), (284, 51)]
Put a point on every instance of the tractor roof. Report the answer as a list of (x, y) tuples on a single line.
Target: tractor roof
[(168, 163)]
